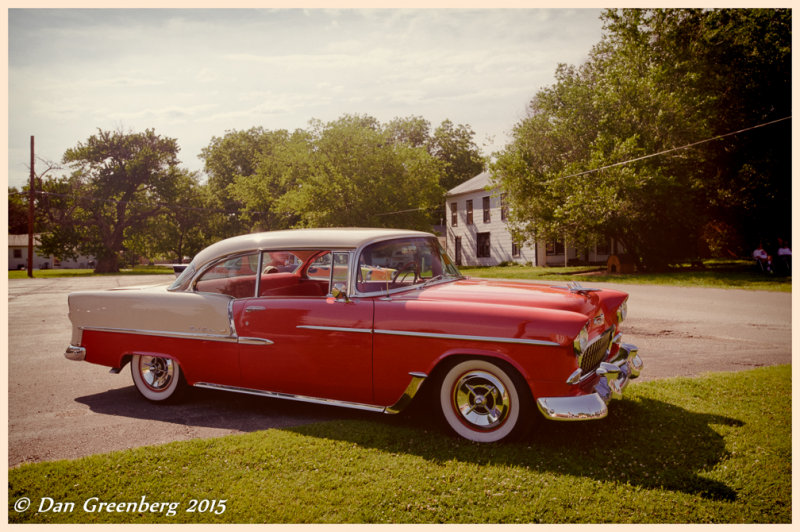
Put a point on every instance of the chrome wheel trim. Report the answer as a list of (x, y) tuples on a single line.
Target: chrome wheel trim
[(482, 400), (157, 372), (156, 378), (493, 429)]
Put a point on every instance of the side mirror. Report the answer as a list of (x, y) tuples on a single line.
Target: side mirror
[(339, 295)]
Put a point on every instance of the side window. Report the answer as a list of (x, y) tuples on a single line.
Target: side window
[(320, 269), (341, 271), (235, 277), (331, 270)]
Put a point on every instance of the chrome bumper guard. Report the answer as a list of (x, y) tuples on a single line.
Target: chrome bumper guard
[(75, 353), (614, 376)]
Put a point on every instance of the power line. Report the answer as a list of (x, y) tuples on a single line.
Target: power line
[(671, 150)]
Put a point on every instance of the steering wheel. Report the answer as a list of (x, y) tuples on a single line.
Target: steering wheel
[(402, 272)]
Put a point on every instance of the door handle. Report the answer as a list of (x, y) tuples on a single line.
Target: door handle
[(255, 308)]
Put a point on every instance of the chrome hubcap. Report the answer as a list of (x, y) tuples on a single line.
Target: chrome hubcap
[(481, 399), (157, 372)]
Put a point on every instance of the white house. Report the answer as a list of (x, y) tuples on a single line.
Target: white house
[(18, 256), (477, 231)]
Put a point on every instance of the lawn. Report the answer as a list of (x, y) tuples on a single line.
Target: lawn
[(66, 272), (713, 274), (713, 449)]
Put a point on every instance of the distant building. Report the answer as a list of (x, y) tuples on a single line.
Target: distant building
[(477, 232), (18, 256)]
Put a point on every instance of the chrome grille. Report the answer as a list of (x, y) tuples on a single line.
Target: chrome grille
[(596, 352)]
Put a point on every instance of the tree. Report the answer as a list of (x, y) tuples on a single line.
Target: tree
[(658, 80), (354, 175), (118, 182), (17, 211), (277, 179), (236, 155), (183, 227)]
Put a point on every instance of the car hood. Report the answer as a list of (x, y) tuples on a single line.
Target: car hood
[(519, 293)]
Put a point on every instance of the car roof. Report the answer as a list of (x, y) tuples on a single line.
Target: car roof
[(328, 238)]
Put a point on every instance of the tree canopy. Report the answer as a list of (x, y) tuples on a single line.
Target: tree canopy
[(118, 182), (659, 80)]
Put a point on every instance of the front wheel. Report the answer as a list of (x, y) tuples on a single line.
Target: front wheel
[(158, 379), (485, 403)]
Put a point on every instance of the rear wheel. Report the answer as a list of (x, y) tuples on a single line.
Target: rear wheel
[(158, 379), (484, 402)]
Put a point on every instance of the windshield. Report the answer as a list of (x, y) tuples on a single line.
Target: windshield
[(403, 262)]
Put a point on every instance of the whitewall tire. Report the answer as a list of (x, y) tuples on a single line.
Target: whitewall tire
[(484, 402), (158, 379)]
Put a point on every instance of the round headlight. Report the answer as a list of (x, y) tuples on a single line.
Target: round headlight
[(622, 312), (581, 341)]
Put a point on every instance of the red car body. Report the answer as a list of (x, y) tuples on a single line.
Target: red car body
[(391, 314)]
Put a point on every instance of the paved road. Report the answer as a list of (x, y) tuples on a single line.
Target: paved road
[(63, 409)]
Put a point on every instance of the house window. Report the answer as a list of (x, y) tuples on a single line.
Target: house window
[(555, 247), (516, 249), (503, 208), (469, 212), (454, 214), (604, 247), (487, 213), (17, 253), (484, 245)]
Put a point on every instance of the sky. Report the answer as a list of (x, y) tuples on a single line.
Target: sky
[(193, 74)]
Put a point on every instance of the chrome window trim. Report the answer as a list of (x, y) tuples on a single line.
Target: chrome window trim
[(168, 334), (464, 337), (334, 329)]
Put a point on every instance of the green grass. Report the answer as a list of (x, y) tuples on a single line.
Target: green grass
[(42, 274), (715, 274), (714, 449)]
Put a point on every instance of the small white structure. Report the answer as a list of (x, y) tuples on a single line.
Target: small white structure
[(18, 256), (477, 232)]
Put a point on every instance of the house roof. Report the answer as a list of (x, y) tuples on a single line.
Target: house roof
[(481, 181)]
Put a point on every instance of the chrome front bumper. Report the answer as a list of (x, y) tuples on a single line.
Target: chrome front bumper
[(614, 376), (75, 353)]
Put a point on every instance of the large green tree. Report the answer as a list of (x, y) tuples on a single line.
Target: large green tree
[(659, 80), (355, 175), (119, 181), (380, 174)]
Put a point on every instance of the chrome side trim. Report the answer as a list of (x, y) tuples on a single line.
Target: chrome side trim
[(465, 337), (291, 397), (411, 390), (74, 352), (249, 340), (167, 334), (335, 329)]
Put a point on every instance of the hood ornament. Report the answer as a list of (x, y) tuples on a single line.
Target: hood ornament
[(576, 288)]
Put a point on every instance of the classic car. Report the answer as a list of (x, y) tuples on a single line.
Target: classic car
[(362, 318)]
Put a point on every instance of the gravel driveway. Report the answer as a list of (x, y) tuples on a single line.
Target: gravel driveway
[(62, 409)]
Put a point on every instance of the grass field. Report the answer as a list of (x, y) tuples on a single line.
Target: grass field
[(714, 449), (715, 274), (42, 274)]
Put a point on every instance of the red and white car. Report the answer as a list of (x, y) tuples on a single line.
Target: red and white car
[(362, 318)]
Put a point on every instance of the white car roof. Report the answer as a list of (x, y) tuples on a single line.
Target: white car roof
[(328, 238)]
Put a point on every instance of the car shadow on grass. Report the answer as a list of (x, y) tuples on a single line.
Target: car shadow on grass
[(645, 443), (218, 409)]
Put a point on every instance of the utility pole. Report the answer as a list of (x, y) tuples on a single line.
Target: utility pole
[(31, 196)]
